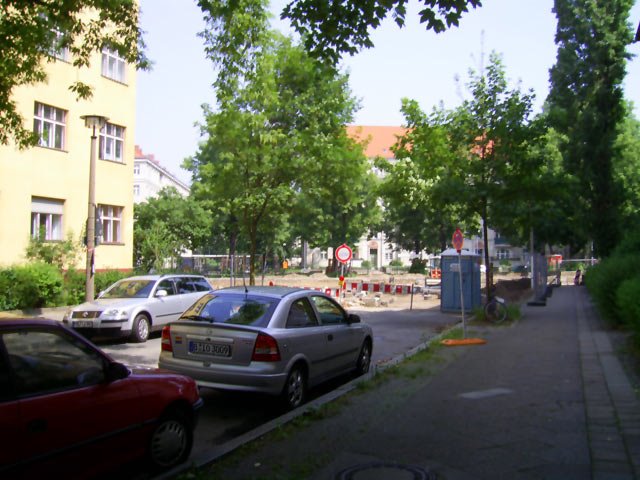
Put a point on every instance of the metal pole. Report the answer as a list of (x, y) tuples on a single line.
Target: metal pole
[(91, 222), (464, 324)]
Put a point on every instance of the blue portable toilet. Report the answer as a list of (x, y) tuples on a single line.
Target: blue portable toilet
[(450, 280)]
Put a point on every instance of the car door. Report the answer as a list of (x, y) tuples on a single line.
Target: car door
[(191, 289), (69, 415), (304, 335), (343, 341), (168, 308)]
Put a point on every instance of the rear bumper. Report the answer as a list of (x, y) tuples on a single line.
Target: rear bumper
[(258, 377)]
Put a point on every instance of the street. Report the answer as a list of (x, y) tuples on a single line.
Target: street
[(227, 415)]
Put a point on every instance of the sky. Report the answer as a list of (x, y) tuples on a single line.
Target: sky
[(405, 63)]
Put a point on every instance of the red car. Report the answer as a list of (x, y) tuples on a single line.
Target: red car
[(68, 410)]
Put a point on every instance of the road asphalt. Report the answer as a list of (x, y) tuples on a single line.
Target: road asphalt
[(543, 398)]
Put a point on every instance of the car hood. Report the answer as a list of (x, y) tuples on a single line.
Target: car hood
[(102, 303)]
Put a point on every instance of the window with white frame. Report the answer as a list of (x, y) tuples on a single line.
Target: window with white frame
[(111, 218), (503, 253), (49, 123), (136, 168), (57, 50), (136, 190), (112, 143), (113, 65), (46, 218)]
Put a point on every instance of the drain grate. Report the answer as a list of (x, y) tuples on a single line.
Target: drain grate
[(385, 470)]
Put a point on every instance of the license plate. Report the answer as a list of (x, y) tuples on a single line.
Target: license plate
[(85, 324), (205, 348)]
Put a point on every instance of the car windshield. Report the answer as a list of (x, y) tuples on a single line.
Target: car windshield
[(129, 289), (232, 309)]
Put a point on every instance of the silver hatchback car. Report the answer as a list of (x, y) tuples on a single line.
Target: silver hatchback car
[(135, 306), (274, 340)]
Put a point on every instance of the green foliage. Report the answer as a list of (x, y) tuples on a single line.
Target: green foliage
[(74, 287), (33, 285), (628, 306), (604, 279), (33, 31), (418, 266), (586, 106), (103, 280), (61, 254)]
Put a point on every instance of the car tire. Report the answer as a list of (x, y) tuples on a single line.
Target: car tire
[(295, 388), (171, 441), (364, 359), (141, 328)]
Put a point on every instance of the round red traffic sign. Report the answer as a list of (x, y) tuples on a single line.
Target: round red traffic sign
[(457, 240), (343, 253)]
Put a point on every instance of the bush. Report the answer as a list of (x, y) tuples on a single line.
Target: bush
[(8, 297), (604, 279), (628, 306), (74, 287), (418, 266), (105, 279), (37, 285)]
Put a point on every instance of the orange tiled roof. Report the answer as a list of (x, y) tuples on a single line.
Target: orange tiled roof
[(380, 139)]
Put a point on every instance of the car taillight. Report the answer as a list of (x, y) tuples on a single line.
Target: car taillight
[(266, 349), (166, 345)]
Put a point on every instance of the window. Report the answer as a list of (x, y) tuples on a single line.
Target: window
[(136, 190), (57, 50), (301, 315), (330, 312), (112, 143), (113, 65), (111, 219), (136, 168), (50, 361), (50, 124), (503, 253), (46, 219)]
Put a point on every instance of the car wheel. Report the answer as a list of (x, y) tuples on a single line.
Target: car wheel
[(171, 441), (140, 330), (364, 359), (295, 388)]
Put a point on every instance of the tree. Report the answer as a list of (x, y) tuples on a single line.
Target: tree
[(626, 167), (32, 33), (277, 121), (330, 29), (166, 226), (421, 211), (586, 107), (492, 134)]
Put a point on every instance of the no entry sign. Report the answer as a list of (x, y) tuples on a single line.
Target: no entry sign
[(457, 240)]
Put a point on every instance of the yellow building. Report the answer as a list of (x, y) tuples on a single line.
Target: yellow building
[(46, 188)]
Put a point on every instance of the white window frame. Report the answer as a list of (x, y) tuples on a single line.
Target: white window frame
[(111, 218), (113, 65), (50, 124), (112, 143), (56, 51), (136, 190), (46, 214), (136, 168)]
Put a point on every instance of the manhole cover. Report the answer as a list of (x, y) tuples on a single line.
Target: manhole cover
[(385, 471)]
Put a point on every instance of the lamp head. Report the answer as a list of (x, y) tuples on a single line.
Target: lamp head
[(94, 121)]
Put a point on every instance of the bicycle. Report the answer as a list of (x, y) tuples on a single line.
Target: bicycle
[(496, 310)]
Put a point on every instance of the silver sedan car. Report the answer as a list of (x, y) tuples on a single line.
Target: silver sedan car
[(274, 340)]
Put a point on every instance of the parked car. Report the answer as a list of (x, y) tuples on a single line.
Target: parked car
[(68, 410), (274, 340), (136, 306)]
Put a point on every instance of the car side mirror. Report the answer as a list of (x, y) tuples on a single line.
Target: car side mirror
[(161, 293), (116, 371), (353, 318)]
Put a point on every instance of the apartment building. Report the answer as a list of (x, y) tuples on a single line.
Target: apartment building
[(44, 190), (149, 177)]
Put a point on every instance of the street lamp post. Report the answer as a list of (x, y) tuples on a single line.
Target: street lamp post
[(94, 122)]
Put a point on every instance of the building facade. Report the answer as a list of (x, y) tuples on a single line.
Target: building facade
[(149, 177), (44, 190)]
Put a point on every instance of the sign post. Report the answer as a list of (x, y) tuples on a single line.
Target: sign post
[(343, 255), (458, 241)]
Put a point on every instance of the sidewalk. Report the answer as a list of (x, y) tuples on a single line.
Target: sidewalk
[(544, 399)]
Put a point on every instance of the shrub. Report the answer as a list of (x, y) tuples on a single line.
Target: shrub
[(418, 266), (74, 287), (37, 285), (604, 279), (628, 306), (105, 279), (8, 298)]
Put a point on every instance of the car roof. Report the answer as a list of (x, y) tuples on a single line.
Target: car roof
[(267, 291), (155, 277), (28, 322)]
